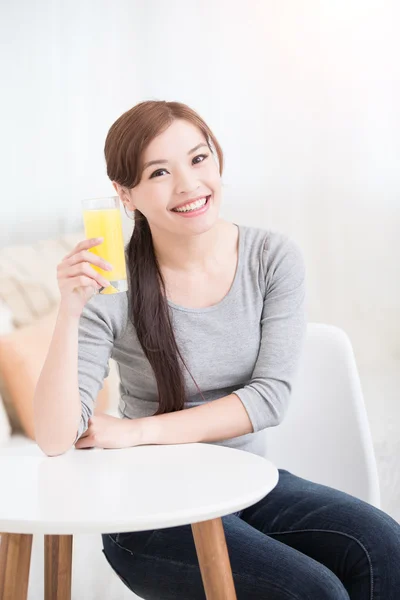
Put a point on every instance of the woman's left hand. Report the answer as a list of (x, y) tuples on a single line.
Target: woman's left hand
[(106, 431)]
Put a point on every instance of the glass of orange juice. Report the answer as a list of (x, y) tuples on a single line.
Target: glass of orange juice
[(102, 218)]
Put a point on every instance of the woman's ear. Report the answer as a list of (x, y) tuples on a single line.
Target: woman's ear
[(123, 196), (115, 186)]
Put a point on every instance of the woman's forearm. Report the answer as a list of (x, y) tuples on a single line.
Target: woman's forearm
[(56, 402), (211, 422)]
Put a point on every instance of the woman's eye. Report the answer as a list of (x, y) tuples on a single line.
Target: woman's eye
[(155, 174), (203, 156)]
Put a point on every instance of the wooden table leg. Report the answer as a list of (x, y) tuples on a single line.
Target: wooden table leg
[(215, 567), (15, 561), (57, 567)]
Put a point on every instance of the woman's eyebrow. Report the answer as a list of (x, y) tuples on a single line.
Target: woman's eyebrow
[(162, 161)]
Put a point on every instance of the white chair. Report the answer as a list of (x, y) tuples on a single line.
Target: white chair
[(325, 435)]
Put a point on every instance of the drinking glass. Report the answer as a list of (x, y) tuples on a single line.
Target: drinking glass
[(102, 218)]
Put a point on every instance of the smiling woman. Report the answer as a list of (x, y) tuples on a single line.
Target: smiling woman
[(176, 219), (238, 320)]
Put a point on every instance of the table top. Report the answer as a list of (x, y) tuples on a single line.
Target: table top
[(131, 489)]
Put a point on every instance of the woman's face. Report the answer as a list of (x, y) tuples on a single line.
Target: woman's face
[(183, 169)]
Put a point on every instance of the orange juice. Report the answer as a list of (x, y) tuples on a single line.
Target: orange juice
[(107, 223)]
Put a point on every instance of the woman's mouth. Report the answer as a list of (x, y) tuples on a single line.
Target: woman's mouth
[(198, 208)]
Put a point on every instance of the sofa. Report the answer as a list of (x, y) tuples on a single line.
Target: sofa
[(29, 300)]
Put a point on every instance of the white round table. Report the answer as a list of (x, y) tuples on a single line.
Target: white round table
[(113, 491)]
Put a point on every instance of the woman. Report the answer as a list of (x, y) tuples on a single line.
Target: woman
[(213, 323)]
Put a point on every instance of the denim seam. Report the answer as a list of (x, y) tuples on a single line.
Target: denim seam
[(177, 562), (339, 533), (116, 542)]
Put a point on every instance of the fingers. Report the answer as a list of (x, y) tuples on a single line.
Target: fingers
[(84, 444), (86, 256), (84, 245), (81, 281), (82, 274), (86, 440), (76, 266), (86, 434), (78, 275)]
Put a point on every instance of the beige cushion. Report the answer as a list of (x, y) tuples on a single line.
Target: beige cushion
[(22, 356), (28, 276)]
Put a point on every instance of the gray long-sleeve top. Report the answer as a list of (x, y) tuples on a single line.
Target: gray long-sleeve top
[(249, 343)]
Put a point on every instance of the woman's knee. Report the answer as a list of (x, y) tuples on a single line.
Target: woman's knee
[(320, 582), (386, 532), (375, 554), (382, 539)]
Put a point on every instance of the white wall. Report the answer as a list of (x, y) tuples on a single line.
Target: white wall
[(69, 72), (303, 97)]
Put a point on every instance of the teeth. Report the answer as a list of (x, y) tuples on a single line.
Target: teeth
[(192, 206)]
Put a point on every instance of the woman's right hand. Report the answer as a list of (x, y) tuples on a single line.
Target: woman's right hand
[(77, 280)]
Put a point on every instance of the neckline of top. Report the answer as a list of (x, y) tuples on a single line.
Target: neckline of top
[(231, 290)]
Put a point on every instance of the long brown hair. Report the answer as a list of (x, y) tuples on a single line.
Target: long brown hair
[(125, 144)]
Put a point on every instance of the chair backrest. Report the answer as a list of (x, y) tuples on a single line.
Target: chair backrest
[(325, 436)]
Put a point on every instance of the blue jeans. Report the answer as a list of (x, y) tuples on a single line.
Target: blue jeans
[(303, 541)]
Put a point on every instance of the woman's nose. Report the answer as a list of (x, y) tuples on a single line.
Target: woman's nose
[(187, 182)]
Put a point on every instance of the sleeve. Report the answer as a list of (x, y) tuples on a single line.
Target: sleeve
[(283, 327), (95, 345)]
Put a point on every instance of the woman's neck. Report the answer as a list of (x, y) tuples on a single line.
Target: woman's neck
[(193, 254)]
